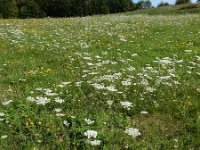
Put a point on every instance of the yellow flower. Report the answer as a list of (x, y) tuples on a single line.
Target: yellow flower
[(39, 122)]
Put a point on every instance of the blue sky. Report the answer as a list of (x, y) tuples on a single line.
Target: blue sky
[(156, 2)]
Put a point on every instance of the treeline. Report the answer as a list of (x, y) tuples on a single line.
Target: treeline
[(61, 8)]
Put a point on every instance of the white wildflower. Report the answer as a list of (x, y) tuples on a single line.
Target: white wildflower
[(59, 100), (39, 141), (179, 61), (2, 114), (105, 62), (30, 98), (126, 83), (94, 142), (38, 89), (93, 73), (42, 100), (90, 134), (66, 123), (131, 68), (6, 102), (60, 114), (113, 62), (88, 121), (134, 55), (165, 62), (164, 77), (4, 137), (57, 110), (123, 39), (104, 53), (65, 83), (188, 51), (144, 82), (133, 132), (144, 112), (111, 88), (23, 80), (78, 83), (126, 105), (73, 117), (98, 86), (109, 102), (90, 64), (50, 93), (61, 86), (150, 89), (31, 92)]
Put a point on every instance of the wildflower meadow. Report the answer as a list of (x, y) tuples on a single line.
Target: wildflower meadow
[(107, 82)]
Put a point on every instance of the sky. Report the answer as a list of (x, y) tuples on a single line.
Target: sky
[(156, 2)]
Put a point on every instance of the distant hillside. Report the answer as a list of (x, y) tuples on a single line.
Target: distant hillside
[(172, 9)]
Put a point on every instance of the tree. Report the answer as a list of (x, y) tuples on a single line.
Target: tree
[(29, 9), (9, 9), (63, 8), (182, 1), (163, 4), (198, 1), (143, 4), (104, 7), (119, 5)]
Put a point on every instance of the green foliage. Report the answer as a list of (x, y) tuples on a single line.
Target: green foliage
[(29, 9), (170, 10), (190, 6), (182, 1), (153, 70), (62, 8), (163, 4), (9, 8)]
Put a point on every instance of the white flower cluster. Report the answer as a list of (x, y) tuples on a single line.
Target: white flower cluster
[(6, 102), (2, 116), (66, 123), (39, 100), (49, 92), (89, 121), (4, 137), (92, 134), (101, 87), (126, 82), (63, 84), (127, 105), (133, 132), (59, 100), (94, 142), (59, 112)]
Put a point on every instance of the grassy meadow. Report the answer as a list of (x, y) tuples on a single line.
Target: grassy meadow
[(104, 82), (170, 10)]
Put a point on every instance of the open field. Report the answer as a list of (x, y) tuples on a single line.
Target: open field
[(170, 10), (102, 82)]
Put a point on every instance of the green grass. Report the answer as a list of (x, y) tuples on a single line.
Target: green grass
[(170, 10), (152, 62)]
